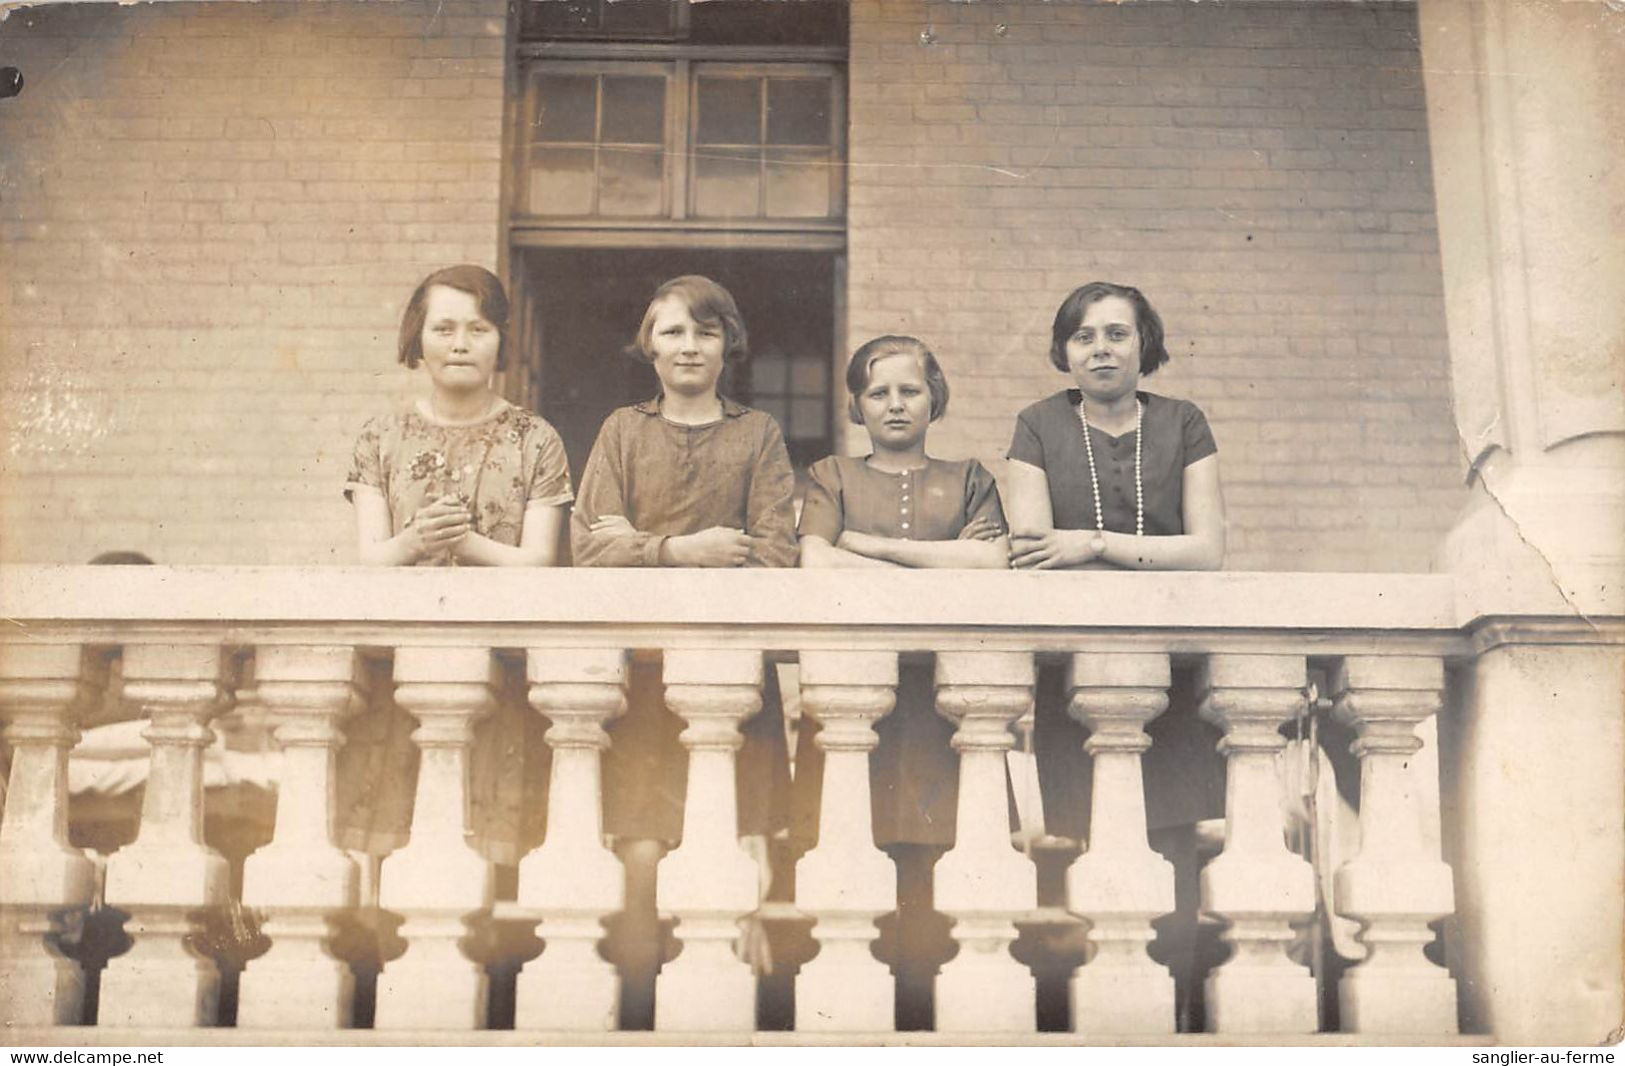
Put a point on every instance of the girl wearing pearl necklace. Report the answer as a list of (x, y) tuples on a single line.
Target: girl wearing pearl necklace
[(1106, 476)]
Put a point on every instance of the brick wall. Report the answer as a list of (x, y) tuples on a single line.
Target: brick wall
[(1261, 172), (212, 215)]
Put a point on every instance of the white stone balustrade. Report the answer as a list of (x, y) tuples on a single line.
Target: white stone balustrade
[(438, 882), (984, 884), (1397, 883), (1119, 884), (1384, 639), (709, 883), (167, 877), (573, 881), (43, 689), (846, 882), (302, 880), (1259, 888)]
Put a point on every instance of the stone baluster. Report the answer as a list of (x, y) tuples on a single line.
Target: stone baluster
[(1397, 883), (302, 879), (167, 876), (1119, 884), (573, 881), (846, 882), (438, 882), (709, 883), (984, 884), (1256, 885), (43, 690)]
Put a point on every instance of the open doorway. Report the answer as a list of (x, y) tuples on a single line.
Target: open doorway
[(582, 311)]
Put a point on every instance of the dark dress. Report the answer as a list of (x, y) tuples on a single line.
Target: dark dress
[(914, 773), (669, 479), (1184, 774)]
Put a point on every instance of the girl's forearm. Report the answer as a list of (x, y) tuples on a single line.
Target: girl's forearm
[(817, 552), (399, 550), (930, 554), (1184, 552), (941, 554), (479, 550)]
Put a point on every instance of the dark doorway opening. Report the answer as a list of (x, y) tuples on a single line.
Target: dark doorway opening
[(585, 305)]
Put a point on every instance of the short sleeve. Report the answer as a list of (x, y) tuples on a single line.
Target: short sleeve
[(1025, 445), (367, 464), (1198, 440), (823, 514), (550, 469), (982, 496)]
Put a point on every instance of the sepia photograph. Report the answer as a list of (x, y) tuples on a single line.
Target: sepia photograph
[(416, 417)]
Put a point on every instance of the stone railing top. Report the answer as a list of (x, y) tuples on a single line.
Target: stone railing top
[(32, 596)]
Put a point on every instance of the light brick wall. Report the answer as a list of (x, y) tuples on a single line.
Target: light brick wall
[(212, 216), (1260, 171)]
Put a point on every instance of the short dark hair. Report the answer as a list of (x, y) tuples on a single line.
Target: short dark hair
[(478, 282), (857, 372), (1153, 352), (707, 302)]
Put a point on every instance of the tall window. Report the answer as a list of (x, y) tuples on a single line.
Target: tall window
[(661, 137)]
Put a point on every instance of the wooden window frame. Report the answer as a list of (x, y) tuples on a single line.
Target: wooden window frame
[(676, 226)]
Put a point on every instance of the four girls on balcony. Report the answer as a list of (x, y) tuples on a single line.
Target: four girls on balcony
[(1100, 475)]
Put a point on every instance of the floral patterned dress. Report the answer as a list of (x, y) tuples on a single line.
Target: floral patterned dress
[(499, 467)]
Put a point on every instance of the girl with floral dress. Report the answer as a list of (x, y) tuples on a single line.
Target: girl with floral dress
[(460, 477)]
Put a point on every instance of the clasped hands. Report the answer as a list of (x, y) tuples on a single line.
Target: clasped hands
[(440, 526), (1053, 549), (719, 546)]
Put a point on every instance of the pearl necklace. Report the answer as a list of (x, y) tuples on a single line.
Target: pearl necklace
[(1094, 479)]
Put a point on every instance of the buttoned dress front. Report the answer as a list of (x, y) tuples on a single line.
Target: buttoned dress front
[(914, 773)]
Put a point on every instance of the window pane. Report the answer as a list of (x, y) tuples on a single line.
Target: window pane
[(807, 419), (629, 181), (561, 181), (773, 405), (798, 183), (797, 111), (567, 108), (634, 110), (727, 182), (770, 375), (730, 110), (808, 378)]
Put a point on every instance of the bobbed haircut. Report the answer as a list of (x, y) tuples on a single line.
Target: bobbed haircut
[(707, 302), (479, 283), (864, 359), (1153, 353)]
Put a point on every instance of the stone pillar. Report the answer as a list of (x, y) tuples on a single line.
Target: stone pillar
[(43, 691), (573, 881), (1397, 883), (846, 882), (1119, 884), (1258, 887), (709, 883), (302, 880), (1538, 827), (167, 876), (1524, 131), (984, 883), (438, 882)]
